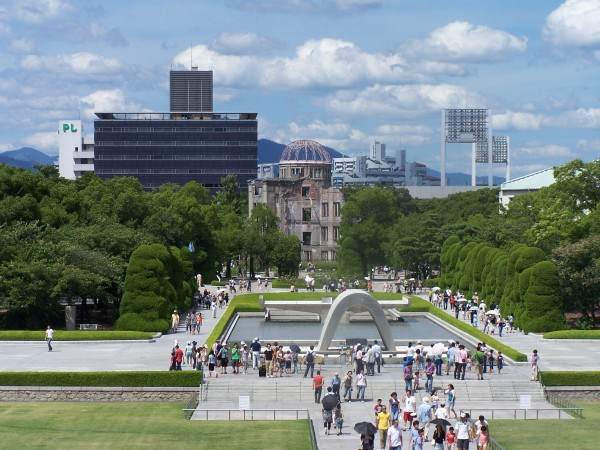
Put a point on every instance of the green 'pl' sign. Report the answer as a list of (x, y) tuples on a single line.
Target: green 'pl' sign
[(69, 127)]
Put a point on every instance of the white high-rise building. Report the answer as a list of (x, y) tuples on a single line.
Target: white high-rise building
[(75, 153)]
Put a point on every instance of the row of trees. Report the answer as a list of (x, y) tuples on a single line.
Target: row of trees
[(68, 239), (520, 279), (385, 226)]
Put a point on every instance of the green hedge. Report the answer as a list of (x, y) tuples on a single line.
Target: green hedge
[(217, 283), (187, 378), (574, 378), (61, 335), (573, 334), (420, 304)]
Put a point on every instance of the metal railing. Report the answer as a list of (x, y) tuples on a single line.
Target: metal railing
[(494, 445), (248, 414), (526, 413), (559, 401)]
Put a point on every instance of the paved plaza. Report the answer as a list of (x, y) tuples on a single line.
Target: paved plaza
[(294, 392)]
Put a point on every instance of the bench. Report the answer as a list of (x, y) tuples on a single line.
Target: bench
[(88, 326)]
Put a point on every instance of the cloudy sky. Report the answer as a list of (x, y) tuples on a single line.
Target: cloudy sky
[(342, 72)]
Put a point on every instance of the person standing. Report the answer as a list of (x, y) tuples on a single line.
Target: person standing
[(383, 424), (178, 357), (49, 337), (269, 360), (255, 348), (450, 400), (318, 386), (535, 365), (394, 405), (336, 382), (348, 386), (395, 436), (361, 385), (429, 370), (424, 414), (309, 360), (378, 355)]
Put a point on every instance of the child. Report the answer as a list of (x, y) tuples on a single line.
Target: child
[(451, 439), (483, 438), (338, 418), (416, 379), (377, 407), (500, 362), (418, 444), (469, 364), (434, 400)]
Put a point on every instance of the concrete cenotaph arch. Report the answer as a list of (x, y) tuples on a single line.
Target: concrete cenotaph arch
[(355, 299)]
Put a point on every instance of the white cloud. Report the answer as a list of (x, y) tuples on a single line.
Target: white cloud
[(463, 41), (83, 63), (403, 100), (243, 44), (317, 63), (407, 135), (306, 6), (338, 135), (580, 118), (517, 121), (107, 101), (43, 140), (6, 147), (573, 24), (22, 45), (540, 150), (38, 11)]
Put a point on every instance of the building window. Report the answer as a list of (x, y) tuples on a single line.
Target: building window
[(306, 215), (306, 238), (324, 256), (333, 255), (337, 209), (307, 255), (305, 191), (336, 233), (325, 209), (324, 234)]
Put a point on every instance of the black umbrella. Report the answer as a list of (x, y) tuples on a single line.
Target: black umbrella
[(366, 428), (295, 348), (442, 422), (330, 401)]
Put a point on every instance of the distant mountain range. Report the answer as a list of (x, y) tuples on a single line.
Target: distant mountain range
[(268, 152), (26, 158)]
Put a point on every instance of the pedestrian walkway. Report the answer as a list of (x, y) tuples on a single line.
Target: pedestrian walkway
[(293, 391)]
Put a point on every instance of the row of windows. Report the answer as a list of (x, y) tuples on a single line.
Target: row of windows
[(307, 235), (174, 157), (172, 171), (175, 129), (326, 255), (337, 209), (175, 143)]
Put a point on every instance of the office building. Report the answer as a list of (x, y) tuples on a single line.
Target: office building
[(191, 90), (75, 152), (158, 148)]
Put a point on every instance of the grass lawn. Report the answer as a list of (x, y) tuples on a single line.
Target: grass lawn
[(575, 434), (137, 425)]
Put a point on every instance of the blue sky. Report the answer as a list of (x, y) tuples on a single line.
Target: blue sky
[(341, 72)]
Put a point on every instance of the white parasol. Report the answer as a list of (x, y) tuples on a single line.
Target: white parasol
[(437, 349)]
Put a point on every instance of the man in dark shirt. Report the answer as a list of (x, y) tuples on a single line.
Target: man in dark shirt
[(269, 360), (255, 347)]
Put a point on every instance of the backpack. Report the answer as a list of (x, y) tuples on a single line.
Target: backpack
[(310, 358)]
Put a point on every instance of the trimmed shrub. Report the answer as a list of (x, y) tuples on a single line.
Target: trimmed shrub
[(555, 378), (573, 334), (217, 283), (183, 378), (543, 306), (77, 335)]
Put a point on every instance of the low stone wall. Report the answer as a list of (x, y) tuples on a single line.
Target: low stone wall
[(576, 393), (95, 394)]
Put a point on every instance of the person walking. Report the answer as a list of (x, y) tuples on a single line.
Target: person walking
[(395, 436), (49, 337), (336, 382), (318, 386), (383, 424), (410, 402), (361, 385), (450, 400), (429, 370)]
